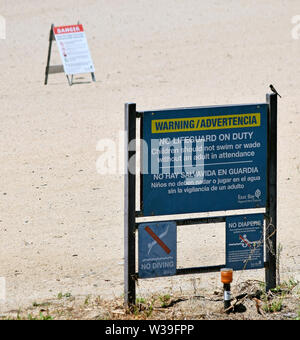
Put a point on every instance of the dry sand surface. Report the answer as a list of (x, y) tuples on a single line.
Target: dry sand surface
[(61, 223)]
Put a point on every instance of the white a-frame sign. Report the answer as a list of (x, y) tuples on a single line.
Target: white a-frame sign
[(74, 52)]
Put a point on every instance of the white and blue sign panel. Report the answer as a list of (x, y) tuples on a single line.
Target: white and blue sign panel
[(204, 159), (157, 253), (245, 242)]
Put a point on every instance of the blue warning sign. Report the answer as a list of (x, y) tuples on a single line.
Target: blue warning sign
[(245, 242), (204, 159), (157, 249)]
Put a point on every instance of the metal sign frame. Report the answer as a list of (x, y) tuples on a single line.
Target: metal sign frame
[(131, 213)]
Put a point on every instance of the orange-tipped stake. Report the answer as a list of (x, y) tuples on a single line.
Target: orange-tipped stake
[(226, 279), (226, 275)]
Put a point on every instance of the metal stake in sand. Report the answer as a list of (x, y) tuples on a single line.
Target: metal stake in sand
[(226, 279)]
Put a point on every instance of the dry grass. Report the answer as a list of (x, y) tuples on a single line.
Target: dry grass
[(249, 302)]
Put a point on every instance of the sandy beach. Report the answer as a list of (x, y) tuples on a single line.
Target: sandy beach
[(61, 222)]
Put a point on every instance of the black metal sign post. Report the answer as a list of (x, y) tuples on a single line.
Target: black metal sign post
[(129, 200), (130, 215), (271, 213)]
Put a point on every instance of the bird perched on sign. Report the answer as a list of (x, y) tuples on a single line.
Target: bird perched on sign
[(274, 90)]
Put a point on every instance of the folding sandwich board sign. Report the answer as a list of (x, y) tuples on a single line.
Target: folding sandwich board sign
[(74, 52)]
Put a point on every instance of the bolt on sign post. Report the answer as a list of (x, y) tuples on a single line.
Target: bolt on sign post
[(74, 52), (200, 160)]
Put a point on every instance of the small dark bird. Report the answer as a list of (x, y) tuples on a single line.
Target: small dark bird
[(274, 90)]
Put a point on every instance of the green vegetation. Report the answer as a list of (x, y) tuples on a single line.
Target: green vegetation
[(165, 299), (273, 301), (250, 302)]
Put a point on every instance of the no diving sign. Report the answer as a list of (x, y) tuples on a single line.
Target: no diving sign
[(157, 249)]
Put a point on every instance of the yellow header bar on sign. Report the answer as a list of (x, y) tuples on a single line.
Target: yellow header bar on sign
[(205, 123)]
